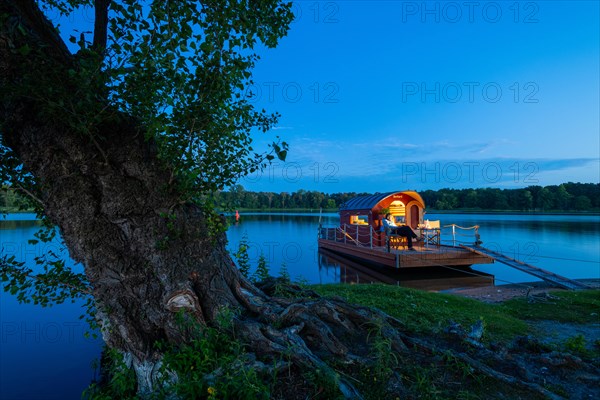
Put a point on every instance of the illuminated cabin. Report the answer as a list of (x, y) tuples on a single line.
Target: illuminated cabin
[(406, 208), (360, 234)]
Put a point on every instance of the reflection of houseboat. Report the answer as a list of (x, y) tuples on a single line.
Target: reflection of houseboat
[(361, 234), (345, 270)]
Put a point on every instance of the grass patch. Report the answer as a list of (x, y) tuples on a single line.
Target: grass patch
[(423, 312), (580, 307), (444, 375)]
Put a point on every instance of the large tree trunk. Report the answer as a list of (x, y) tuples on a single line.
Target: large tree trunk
[(146, 253)]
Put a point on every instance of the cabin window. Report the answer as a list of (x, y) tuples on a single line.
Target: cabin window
[(359, 220), (397, 208)]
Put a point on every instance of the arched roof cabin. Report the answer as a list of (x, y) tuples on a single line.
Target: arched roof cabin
[(406, 207)]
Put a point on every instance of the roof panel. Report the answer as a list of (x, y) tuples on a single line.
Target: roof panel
[(369, 201), (364, 202)]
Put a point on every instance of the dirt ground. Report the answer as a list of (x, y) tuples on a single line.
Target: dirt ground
[(497, 294), (552, 331)]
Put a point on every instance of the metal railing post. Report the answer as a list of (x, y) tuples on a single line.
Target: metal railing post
[(453, 235)]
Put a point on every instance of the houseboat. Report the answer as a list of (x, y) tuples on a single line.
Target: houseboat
[(362, 236)]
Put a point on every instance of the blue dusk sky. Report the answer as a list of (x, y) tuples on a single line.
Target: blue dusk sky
[(394, 95), (397, 95)]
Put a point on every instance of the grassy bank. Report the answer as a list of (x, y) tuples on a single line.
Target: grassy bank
[(517, 330), (425, 312), (435, 364)]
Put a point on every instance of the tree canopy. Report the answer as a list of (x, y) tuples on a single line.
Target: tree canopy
[(176, 71), (178, 68), (565, 197)]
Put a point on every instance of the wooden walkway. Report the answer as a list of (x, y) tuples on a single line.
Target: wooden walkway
[(529, 269)]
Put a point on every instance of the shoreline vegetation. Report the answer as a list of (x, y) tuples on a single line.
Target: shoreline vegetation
[(429, 211), (567, 198), (335, 211), (542, 346)]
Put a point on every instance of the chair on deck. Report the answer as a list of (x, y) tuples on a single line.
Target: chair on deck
[(431, 234), (394, 241)]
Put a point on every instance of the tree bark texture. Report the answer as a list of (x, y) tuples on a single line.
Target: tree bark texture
[(146, 254)]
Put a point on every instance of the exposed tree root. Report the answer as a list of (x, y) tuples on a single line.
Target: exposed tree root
[(313, 333)]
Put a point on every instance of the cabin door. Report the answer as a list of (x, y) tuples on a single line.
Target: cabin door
[(414, 216)]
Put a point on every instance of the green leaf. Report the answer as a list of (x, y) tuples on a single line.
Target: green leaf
[(25, 50)]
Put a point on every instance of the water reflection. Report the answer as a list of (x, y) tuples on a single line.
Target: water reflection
[(18, 224), (344, 270)]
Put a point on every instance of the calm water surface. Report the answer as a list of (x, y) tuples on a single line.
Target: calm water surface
[(43, 351), (567, 245), (44, 354)]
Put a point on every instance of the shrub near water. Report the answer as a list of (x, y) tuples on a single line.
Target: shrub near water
[(213, 365)]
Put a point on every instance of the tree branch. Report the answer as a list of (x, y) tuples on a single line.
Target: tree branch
[(30, 195), (100, 25), (29, 11)]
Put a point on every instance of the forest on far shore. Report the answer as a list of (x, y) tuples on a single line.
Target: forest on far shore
[(565, 197), (581, 197)]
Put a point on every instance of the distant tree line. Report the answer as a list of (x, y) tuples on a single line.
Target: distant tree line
[(238, 198), (565, 197), (11, 200)]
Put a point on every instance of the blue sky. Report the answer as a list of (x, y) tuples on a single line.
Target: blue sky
[(391, 95), (397, 95)]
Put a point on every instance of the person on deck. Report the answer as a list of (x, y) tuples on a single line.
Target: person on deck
[(404, 230)]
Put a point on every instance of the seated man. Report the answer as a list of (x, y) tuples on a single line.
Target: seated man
[(404, 230)]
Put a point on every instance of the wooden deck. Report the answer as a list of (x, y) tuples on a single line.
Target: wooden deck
[(431, 256)]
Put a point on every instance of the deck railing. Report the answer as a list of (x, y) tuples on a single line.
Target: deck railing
[(359, 235), (461, 235), (365, 236)]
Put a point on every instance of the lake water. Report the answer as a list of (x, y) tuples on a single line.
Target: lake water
[(44, 354), (565, 244)]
